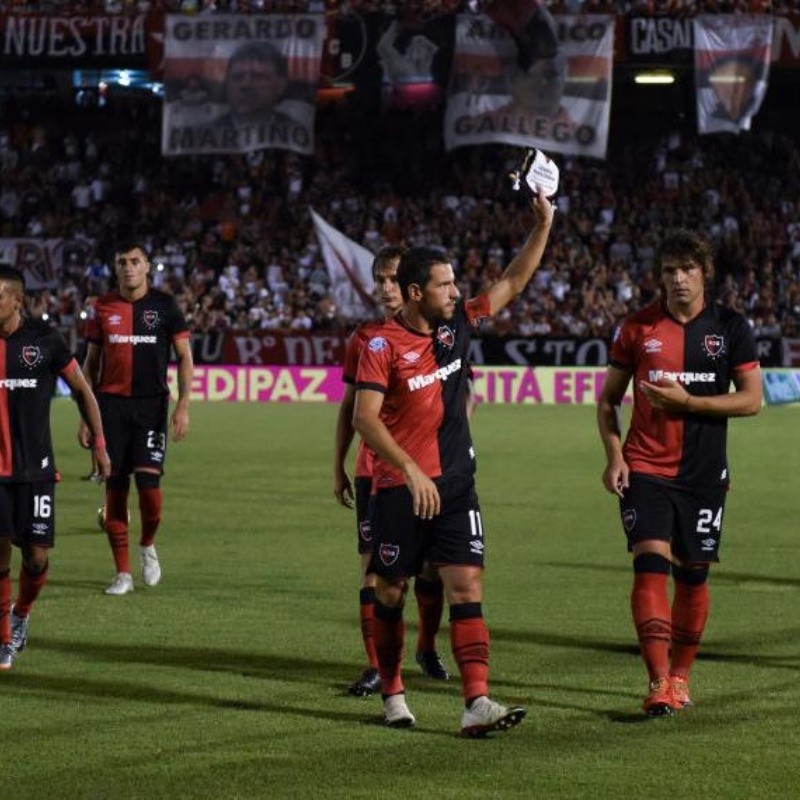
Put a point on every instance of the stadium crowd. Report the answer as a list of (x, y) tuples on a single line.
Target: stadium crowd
[(231, 236)]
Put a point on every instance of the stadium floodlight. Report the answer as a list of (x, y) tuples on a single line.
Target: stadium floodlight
[(661, 77)]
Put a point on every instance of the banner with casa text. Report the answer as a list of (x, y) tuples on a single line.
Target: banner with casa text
[(731, 65), (239, 83), (560, 104)]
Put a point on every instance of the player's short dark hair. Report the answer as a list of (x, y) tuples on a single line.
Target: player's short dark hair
[(263, 52), (384, 256), (415, 266), (12, 275), (126, 245), (682, 244)]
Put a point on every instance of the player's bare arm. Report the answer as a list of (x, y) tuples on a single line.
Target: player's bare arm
[(345, 432), (368, 424), (90, 413), (519, 272), (91, 374), (745, 401), (180, 416), (616, 474)]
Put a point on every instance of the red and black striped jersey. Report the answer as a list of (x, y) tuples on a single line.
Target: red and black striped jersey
[(31, 359), (703, 355), (135, 339), (424, 379), (355, 345)]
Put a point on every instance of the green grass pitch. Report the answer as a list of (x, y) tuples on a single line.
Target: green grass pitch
[(226, 680)]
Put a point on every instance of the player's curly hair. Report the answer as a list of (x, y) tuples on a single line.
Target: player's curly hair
[(684, 245), (415, 266)]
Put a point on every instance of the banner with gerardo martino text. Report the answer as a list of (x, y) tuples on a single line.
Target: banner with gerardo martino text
[(240, 83)]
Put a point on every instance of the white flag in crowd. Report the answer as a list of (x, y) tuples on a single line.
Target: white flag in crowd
[(350, 269), (731, 67), (559, 105)]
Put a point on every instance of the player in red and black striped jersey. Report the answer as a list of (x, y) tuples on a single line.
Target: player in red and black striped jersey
[(130, 336), (428, 588), (32, 357), (410, 408), (671, 475)]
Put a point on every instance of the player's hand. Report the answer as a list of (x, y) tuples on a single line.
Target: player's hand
[(616, 477), (668, 395), (102, 463), (180, 422), (543, 209), (84, 436), (343, 489), (424, 494)]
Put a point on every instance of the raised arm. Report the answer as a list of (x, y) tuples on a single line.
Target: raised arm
[(526, 261)]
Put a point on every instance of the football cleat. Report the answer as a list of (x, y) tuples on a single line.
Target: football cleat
[(680, 691), (485, 715), (19, 632), (660, 702), (151, 569), (6, 656), (396, 713), (432, 665), (369, 683), (122, 584)]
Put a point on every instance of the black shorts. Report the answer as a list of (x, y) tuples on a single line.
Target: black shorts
[(28, 513), (136, 432), (690, 518), (364, 503), (403, 542)]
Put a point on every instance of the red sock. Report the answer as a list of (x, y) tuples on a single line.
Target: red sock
[(29, 588), (390, 632), (689, 615), (117, 527), (367, 612), (150, 509), (469, 638), (5, 607), (430, 602), (651, 615)]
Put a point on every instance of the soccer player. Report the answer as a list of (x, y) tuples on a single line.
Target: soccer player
[(428, 588), (32, 356), (671, 475), (410, 409), (126, 361)]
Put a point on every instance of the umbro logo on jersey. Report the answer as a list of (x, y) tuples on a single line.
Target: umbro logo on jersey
[(389, 553), (377, 344), (653, 346), (411, 357), (150, 318), (446, 336), (713, 345), (629, 518), (115, 319), (31, 355)]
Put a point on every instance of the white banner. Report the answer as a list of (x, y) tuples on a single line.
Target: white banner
[(559, 105), (234, 84), (731, 67), (39, 260), (350, 269)]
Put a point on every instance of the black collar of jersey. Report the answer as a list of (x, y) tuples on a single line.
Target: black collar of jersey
[(706, 307), (406, 325)]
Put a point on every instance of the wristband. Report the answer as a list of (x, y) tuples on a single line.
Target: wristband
[(99, 443)]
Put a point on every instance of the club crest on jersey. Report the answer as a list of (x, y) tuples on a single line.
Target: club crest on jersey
[(150, 318), (446, 336), (714, 345), (629, 518), (389, 553), (377, 344), (365, 530), (31, 355)]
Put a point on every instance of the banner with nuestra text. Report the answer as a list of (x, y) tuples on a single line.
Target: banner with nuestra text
[(561, 104), (39, 260), (68, 41), (731, 67), (239, 83), (500, 385)]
